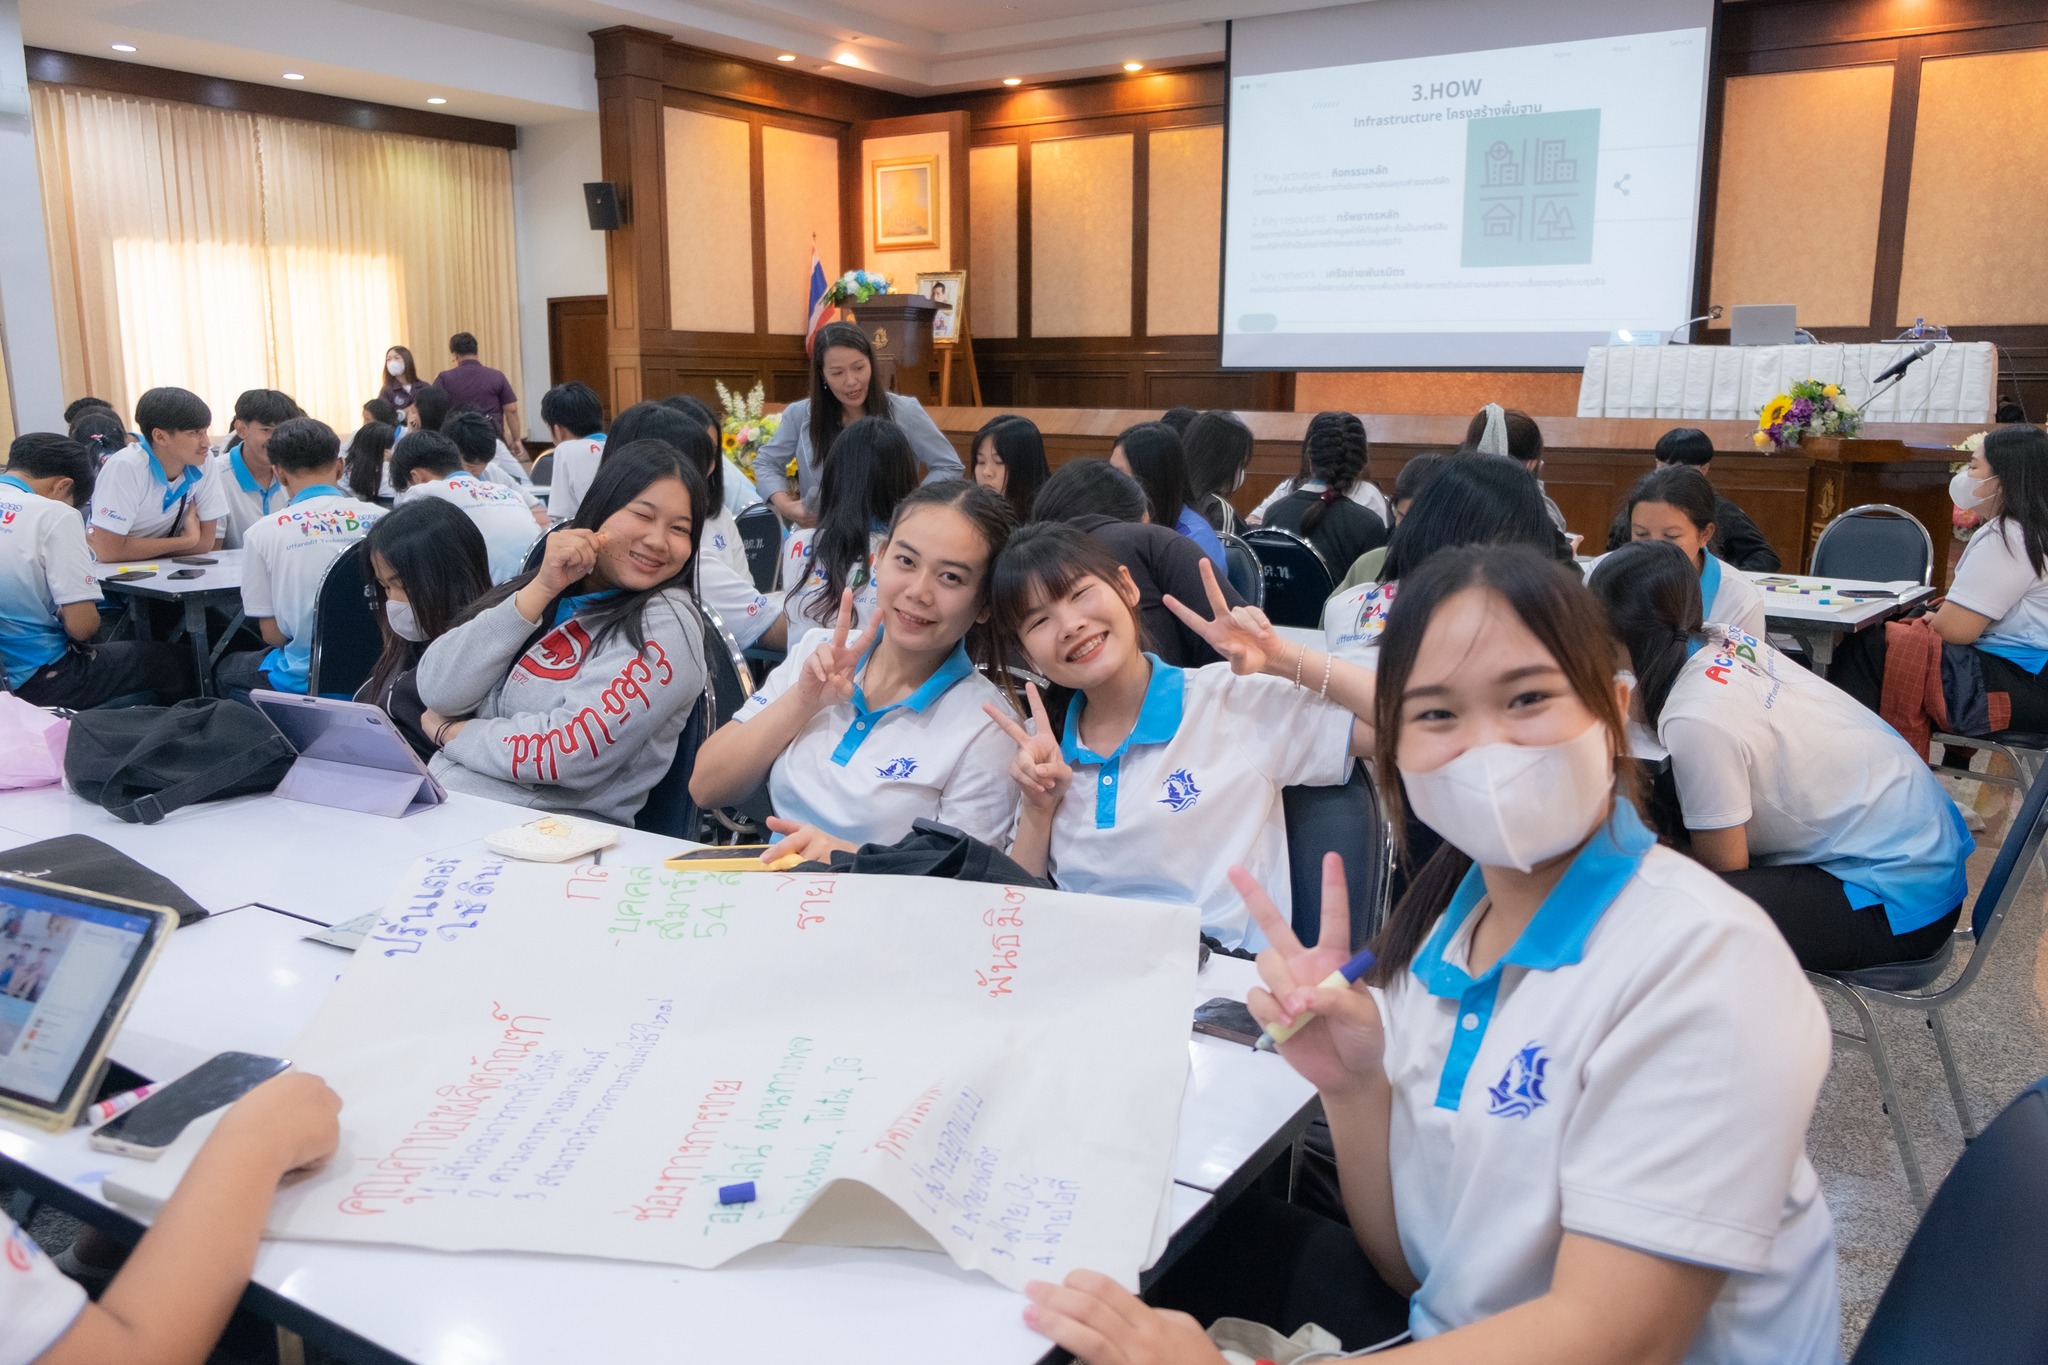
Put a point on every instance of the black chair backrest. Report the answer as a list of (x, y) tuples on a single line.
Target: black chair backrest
[(543, 473), (761, 533), (1242, 569), (539, 549), (1346, 820), (1880, 544), (1297, 581), (1970, 1284), (729, 686), (668, 808), (346, 638)]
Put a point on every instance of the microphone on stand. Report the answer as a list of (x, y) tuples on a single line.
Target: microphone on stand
[(1712, 314), (1897, 371)]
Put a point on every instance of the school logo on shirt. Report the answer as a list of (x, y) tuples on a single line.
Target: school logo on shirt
[(560, 653), (1181, 791), (1371, 621), (1519, 1091), (896, 769)]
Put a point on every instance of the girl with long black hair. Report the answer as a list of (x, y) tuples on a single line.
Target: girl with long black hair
[(1009, 459), (428, 564), (870, 470), (1320, 508)]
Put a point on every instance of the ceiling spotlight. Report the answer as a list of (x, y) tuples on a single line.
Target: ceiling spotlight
[(124, 47), (787, 57), (1013, 80), (1134, 66), (293, 76), (436, 99)]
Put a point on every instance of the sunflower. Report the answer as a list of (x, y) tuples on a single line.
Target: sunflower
[(1774, 411)]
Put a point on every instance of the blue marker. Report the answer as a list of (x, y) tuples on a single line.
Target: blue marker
[(742, 1193), (1346, 975)]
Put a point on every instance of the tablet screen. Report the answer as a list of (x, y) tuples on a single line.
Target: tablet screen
[(66, 965)]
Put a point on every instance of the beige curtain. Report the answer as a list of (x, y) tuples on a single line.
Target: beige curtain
[(223, 251)]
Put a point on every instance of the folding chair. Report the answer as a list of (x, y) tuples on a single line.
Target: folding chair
[(1242, 569), (668, 808), (761, 533), (539, 549), (543, 472), (1876, 542), (1911, 985), (1297, 580), (346, 638), (729, 686), (1348, 820), (1969, 1285)]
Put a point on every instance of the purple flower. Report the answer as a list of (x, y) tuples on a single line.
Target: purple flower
[(1802, 409)]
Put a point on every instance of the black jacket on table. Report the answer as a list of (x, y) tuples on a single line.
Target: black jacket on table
[(1162, 562)]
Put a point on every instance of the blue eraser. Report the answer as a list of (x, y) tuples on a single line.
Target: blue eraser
[(742, 1193)]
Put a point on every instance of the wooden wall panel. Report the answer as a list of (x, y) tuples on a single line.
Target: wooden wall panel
[(1541, 394), (1081, 251), (1975, 249), (800, 206), (1776, 246), (710, 253), (1184, 207), (992, 205)]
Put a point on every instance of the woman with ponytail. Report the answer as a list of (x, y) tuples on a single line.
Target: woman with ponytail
[(1321, 510), (1800, 798)]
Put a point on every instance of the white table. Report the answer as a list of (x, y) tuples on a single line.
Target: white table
[(216, 585), (1815, 612), (248, 979), (1958, 383)]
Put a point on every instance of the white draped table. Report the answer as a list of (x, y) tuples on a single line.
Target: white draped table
[(1958, 383)]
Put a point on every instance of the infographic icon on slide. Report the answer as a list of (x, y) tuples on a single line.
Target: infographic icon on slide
[(1529, 182)]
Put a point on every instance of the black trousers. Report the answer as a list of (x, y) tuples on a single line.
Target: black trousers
[(1272, 1262), (1811, 909), (1858, 669), (93, 674), (239, 674)]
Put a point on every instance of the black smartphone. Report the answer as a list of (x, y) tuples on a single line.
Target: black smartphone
[(1864, 592), (131, 575), (184, 573), (154, 1124), (194, 559), (1227, 1019)]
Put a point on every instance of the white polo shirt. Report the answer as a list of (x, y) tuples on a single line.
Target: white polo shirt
[(1814, 777), (493, 473), (499, 512), (133, 497), (38, 1303), (800, 587), (865, 775), (720, 539), (576, 461), (244, 500), (44, 565), (288, 553), (1195, 789), (1640, 1066), (746, 612), (1354, 620), (1994, 579)]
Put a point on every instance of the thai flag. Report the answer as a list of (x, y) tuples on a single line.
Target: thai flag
[(818, 306)]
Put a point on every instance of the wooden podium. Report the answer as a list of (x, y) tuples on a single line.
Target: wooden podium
[(1849, 472), (900, 326)]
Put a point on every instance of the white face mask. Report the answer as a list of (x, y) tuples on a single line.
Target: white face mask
[(1516, 805), (1967, 493), (394, 368), (403, 623)]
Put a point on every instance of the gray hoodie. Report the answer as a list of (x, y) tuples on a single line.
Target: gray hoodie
[(563, 725)]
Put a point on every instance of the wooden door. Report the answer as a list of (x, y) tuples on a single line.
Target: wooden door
[(576, 345)]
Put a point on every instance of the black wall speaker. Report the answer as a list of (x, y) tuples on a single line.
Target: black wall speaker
[(601, 202)]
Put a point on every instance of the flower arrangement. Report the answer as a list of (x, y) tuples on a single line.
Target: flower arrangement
[(855, 286), (745, 427), (1961, 522), (1810, 408)]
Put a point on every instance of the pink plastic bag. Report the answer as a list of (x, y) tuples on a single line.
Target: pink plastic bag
[(31, 745)]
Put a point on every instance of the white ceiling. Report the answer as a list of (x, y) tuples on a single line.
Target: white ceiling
[(529, 61)]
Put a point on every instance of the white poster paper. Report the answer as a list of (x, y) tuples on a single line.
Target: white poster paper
[(579, 1059)]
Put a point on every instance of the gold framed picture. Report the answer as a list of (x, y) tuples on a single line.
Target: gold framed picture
[(905, 197), (947, 288)]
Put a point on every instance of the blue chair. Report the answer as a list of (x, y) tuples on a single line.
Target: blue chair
[(1876, 542), (1296, 579), (1912, 985), (1348, 820), (1970, 1284), (346, 637), (1242, 569), (668, 808), (761, 533)]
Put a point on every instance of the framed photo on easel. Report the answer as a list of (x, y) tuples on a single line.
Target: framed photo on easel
[(948, 289)]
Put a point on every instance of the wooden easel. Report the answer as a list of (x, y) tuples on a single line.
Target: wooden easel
[(964, 344)]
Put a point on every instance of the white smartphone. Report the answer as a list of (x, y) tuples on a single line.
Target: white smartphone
[(151, 1126)]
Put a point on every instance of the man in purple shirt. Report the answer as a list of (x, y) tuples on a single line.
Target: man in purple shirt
[(476, 386)]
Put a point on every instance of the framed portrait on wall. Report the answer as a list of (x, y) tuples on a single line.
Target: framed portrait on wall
[(947, 288), (905, 195)]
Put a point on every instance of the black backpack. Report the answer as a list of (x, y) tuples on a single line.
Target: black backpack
[(143, 762)]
